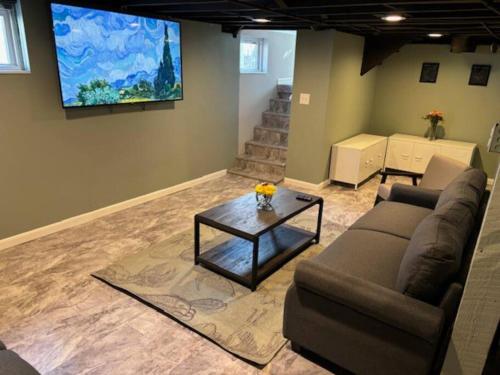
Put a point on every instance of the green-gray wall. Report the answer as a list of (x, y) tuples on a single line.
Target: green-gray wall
[(389, 99), (327, 66), (470, 111), (55, 164), (306, 144)]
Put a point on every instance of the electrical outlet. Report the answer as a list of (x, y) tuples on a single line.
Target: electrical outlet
[(304, 98)]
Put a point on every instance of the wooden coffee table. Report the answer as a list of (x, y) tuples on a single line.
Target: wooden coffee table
[(262, 242)]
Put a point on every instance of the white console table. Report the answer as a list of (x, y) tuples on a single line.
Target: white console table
[(411, 153), (357, 158)]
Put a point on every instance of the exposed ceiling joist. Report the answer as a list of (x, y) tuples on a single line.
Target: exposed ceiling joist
[(475, 18)]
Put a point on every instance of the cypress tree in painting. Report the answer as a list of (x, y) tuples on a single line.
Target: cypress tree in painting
[(165, 78)]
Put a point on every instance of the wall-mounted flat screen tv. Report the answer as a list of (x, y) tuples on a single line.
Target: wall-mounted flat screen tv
[(107, 58)]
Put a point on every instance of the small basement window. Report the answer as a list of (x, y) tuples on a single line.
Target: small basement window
[(253, 55), (13, 51)]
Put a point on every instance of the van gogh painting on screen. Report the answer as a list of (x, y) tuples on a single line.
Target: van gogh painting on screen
[(111, 58)]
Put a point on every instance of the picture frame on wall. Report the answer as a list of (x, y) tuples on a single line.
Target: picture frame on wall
[(479, 75), (429, 72)]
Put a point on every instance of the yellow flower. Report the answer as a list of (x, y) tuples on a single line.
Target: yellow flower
[(265, 188), (270, 190)]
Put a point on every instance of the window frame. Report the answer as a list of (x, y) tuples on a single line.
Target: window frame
[(16, 41), (262, 55)]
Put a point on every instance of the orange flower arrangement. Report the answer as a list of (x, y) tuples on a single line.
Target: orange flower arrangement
[(434, 117)]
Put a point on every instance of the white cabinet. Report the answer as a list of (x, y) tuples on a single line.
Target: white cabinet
[(357, 158), (399, 154), (412, 153), (422, 154)]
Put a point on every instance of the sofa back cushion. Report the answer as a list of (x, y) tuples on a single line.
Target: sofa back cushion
[(434, 254), (440, 172), (467, 187)]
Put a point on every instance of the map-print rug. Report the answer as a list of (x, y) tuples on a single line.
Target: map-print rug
[(247, 324)]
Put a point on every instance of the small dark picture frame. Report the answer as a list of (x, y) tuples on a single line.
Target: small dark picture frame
[(429, 72), (479, 75)]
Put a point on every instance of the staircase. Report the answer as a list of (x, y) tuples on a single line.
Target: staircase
[(265, 156)]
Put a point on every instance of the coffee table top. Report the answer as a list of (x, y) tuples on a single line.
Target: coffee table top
[(240, 216)]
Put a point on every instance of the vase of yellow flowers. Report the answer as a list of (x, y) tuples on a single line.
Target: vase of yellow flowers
[(263, 195), (434, 117)]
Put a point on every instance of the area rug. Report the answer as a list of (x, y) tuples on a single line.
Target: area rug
[(246, 324)]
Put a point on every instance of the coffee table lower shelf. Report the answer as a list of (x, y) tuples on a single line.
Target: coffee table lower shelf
[(234, 258)]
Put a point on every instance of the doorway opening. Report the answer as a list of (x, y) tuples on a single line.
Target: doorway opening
[(267, 60)]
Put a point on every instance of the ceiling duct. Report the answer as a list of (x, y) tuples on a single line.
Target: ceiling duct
[(461, 44)]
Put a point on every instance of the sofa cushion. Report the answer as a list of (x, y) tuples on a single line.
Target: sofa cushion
[(468, 187), (11, 363), (369, 255), (435, 250), (398, 219)]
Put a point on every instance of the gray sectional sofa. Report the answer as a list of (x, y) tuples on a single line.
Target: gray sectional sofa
[(12, 364), (381, 299)]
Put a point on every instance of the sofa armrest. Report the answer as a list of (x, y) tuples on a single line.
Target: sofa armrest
[(414, 195), (382, 304)]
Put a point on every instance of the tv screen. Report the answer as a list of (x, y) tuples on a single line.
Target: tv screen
[(109, 58)]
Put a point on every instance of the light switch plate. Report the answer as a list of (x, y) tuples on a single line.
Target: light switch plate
[(304, 98)]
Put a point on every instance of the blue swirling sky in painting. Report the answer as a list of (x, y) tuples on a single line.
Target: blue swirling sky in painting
[(121, 49)]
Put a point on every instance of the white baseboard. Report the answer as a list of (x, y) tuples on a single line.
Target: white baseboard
[(306, 185), (89, 216)]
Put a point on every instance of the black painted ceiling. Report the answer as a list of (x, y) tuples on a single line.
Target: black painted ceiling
[(478, 19)]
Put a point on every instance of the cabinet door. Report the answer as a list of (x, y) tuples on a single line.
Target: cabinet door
[(345, 164), (365, 164), (461, 154), (379, 151), (422, 154), (372, 160), (399, 155)]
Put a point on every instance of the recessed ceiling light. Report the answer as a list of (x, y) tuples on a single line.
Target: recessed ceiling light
[(394, 18), (434, 35), (261, 20)]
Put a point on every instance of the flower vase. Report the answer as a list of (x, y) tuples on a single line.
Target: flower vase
[(264, 201), (433, 130)]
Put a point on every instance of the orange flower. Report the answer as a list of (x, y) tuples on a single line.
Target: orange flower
[(434, 115)]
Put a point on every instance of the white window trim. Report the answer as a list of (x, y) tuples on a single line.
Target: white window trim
[(16, 40), (262, 57)]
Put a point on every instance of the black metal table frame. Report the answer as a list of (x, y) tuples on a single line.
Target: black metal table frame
[(255, 240)]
